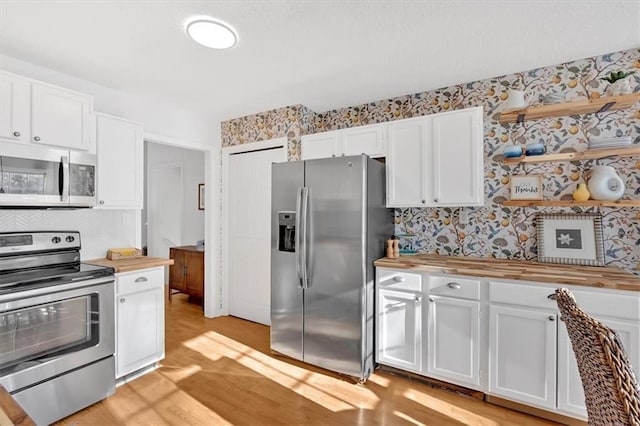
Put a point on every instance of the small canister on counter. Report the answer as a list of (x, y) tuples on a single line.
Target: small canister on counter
[(390, 248), (396, 247)]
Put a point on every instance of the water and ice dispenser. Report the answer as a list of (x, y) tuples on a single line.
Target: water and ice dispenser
[(287, 231)]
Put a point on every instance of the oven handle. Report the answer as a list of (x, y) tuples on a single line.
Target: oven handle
[(64, 183), (18, 299)]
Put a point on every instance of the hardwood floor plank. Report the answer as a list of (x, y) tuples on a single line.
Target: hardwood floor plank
[(221, 371)]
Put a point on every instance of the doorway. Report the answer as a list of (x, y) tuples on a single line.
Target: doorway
[(247, 267)]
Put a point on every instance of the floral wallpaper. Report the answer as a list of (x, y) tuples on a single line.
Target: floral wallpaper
[(495, 230)]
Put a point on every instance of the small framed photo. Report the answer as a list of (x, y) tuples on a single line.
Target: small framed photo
[(201, 196), (574, 239), (526, 187)]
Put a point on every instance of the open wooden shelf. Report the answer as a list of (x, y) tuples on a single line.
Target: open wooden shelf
[(589, 154), (605, 103), (570, 203)]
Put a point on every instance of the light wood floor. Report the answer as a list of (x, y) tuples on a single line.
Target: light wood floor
[(220, 371)]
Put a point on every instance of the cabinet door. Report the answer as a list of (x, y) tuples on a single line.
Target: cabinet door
[(14, 107), (522, 352), (407, 155), (120, 162), (368, 140), (454, 346), (194, 267), (319, 145), (177, 276), (399, 329), (139, 330), (570, 391), (60, 117), (457, 162)]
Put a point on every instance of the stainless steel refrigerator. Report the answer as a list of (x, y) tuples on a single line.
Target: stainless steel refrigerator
[(329, 223)]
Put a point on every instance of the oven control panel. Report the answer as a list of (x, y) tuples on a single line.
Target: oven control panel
[(24, 242)]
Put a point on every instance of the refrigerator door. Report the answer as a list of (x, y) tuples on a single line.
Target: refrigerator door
[(286, 290), (335, 300)]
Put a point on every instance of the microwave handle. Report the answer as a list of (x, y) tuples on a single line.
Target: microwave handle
[(64, 183)]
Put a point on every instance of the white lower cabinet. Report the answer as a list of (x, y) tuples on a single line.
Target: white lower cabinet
[(139, 319), (522, 345), (453, 340)]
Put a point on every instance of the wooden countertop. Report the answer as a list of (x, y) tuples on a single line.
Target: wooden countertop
[(11, 413), (588, 276), (134, 264)]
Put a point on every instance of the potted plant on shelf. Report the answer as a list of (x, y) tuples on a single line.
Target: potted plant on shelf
[(618, 83)]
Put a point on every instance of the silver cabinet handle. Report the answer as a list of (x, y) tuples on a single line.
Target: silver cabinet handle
[(552, 317), (101, 202), (36, 138), (435, 200), (424, 201), (399, 279), (16, 134), (552, 296), (122, 300), (431, 299), (418, 299), (454, 286), (141, 280)]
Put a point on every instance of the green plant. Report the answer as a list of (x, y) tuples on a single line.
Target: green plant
[(615, 76)]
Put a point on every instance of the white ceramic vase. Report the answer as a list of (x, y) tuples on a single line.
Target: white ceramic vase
[(605, 184), (620, 87)]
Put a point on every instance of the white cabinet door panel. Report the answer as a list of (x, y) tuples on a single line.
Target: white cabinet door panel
[(319, 145), (522, 351), (363, 140), (14, 107), (60, 117)]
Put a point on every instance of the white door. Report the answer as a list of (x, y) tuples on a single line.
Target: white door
[(454, 337), (249, 233), (14, 108), (399, 329), (522, 351), (164, 209), (457, 158)]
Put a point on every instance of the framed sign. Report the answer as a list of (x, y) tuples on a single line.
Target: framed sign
[(574, 239), (201, 196), (526, 187)]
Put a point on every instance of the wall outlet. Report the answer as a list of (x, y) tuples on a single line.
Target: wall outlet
[(463, 216)]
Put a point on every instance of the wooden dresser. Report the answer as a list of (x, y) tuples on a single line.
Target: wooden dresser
[(186, 275)]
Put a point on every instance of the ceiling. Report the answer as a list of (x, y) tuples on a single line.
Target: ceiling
[(322, 54)]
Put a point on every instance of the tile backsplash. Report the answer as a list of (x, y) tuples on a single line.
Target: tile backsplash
[(99, 229), (495, 230)]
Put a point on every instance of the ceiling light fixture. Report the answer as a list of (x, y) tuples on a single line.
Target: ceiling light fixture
[(211, 33)]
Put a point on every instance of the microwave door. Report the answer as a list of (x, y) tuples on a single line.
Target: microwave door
[(82, 179), (31, 176)]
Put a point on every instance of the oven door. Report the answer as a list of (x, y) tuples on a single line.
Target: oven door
[(82, 179), (33, 176), (48, 331)]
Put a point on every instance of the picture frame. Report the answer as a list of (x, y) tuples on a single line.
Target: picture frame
[(573, 239), (526, 187), (201, 196)]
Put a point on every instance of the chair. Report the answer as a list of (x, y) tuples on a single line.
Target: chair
[(611, 390)]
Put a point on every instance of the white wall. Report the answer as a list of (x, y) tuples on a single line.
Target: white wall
[(99, 229), (192, 174)]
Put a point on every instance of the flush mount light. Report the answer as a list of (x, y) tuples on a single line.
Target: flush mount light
[(211, 33)]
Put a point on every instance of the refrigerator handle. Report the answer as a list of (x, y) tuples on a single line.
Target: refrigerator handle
[(298, 242), (304, 213)]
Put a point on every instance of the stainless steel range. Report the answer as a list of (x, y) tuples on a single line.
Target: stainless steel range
[(57, 338)]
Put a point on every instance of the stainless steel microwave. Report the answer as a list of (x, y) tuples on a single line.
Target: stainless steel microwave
[(34, 176)]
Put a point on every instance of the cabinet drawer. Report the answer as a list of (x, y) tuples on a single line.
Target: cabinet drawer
[(613, 305), (451, 286), (144, 279), (398, 280), (532, 295)]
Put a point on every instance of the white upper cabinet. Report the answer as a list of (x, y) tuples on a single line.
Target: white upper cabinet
[(14, 107), (407, 159), (457, 158), (60, 117), (368, 140), (436, 160), (120, 162)]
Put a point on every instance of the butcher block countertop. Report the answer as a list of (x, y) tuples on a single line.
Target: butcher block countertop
[(10, 411), (130, 265), (588, 276)]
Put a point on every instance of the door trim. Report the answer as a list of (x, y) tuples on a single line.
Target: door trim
[(224, 252)]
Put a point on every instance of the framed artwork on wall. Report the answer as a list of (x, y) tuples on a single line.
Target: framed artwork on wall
[(574, 239), (201, 196), (526, 187)]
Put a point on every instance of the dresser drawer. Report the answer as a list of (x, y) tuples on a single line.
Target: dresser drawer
[(521, 293), (144, 279), (453, 286), (610, 304), (394, 279)]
